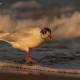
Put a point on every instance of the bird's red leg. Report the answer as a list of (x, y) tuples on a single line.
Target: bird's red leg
[(20, 60), (19, 57), (29, 58)]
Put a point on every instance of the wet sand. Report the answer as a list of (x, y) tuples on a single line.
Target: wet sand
[(8, 76)]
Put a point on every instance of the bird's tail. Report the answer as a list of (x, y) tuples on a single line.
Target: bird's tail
[(3, 35)]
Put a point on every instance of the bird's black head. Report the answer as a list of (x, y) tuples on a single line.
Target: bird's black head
[(46, 33), (45, 30)]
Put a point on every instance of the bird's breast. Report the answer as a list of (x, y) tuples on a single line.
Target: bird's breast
[(31, 42)]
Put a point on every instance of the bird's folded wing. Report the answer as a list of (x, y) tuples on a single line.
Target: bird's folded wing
[(20, 34), (2, 35)]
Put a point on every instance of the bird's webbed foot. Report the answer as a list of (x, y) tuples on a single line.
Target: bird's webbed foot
[(31, 61)]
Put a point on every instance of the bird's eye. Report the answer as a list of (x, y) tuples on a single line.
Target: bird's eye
[(44, 32)]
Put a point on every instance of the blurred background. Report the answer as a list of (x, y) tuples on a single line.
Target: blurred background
[(62, 16)]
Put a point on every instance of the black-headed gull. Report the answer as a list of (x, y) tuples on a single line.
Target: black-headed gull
[(27, 38)]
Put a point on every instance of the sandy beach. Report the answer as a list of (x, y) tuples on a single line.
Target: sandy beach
[(34, 77)]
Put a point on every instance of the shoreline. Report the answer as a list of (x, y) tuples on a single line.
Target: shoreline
[(23, 69)]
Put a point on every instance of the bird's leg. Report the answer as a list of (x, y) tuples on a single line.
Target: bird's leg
[(20, 59), (29, 58)]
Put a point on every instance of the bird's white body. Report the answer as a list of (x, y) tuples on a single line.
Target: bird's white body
[(24, 39)]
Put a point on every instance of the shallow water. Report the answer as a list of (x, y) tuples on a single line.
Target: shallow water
[(58, 53)]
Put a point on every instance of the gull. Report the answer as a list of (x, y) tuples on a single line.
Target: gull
[(27, 38)]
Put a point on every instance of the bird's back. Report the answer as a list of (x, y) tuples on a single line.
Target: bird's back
[(27, 37)]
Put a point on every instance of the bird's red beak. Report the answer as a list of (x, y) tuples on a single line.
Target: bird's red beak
[(50, 37)]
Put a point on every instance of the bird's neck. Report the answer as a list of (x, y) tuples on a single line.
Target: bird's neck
[(38, 38)]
